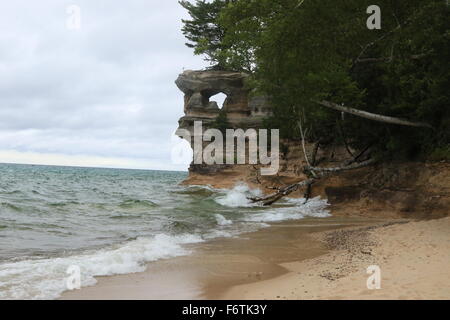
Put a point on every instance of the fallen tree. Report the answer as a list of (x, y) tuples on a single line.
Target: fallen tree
[(373, 116), (319, 174), (282, 192), (315, 173)]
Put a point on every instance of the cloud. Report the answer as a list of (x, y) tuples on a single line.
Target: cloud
[(105, 91)]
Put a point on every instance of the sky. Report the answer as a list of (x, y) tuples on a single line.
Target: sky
[(91, 83)]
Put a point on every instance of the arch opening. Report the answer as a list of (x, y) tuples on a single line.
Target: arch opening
[(219, 98)]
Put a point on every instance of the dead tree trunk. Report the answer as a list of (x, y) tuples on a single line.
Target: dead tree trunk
[(320, 173), (283, 192), (344, 167), (372, 116)]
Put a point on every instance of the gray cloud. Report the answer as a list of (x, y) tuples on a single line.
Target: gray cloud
[(106, 90)]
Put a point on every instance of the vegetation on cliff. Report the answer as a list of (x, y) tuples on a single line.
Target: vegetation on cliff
[(313, 57)]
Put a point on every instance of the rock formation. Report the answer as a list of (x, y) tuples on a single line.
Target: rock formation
[(387, 190), (243, 110)]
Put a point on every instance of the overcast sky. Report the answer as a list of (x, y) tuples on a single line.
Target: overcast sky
[(101, 95)]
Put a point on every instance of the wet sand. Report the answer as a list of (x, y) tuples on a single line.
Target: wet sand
[(217, 269)]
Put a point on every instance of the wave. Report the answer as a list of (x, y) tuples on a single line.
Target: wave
[(64, 203), (316, 208), (10, 206), (135, 203), (238, 197), (195, 190), (46, 278), (222, 221), (11, 192)]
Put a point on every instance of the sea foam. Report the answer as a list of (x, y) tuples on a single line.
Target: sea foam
[(238, 197), (222, 221), (46, 278), (298, 209)]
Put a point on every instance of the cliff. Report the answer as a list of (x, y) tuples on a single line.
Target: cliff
[(408, 190), (241, 107)]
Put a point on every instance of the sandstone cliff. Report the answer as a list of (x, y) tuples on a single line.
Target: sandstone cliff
[(411, 190)]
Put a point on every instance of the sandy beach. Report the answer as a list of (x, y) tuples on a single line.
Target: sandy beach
[(413, 258), (308, 259), (220, 264)]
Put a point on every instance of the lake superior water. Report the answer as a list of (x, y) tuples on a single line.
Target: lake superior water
[(112, 221)]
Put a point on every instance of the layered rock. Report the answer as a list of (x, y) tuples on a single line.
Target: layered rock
[(407, 190), (243, 110)]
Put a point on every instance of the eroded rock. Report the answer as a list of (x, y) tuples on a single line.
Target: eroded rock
[(241, 108)]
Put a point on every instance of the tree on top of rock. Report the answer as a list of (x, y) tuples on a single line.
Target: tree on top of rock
[(203, 30)]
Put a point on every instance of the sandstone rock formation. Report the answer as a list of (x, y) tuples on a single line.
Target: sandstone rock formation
[(408, 190), (242, 109)]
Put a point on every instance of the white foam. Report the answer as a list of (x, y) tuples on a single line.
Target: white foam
[(205, 187), (238, 197), (222, 221), (214, 234), (316, 207), (46, 279)]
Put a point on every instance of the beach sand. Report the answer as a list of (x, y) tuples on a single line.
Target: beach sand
[(413, 258), (306, 259)]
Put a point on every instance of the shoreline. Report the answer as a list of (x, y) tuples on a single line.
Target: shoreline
[(412, 256), (219, 267)]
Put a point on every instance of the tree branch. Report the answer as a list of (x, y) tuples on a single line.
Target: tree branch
[(373, 116), (367, 46), (283, 192), (345, 168), (304, 148), (389, 59)]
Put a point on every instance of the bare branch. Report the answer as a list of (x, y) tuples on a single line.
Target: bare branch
[(346, 168), (299, 4), (304, 148), (308, 192), (367, 46), (344, 138), (356, 158), (283, 192), (314, 155), (391, 58), (373, 116)]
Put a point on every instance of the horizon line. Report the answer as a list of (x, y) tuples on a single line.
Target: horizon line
[(86, 167)]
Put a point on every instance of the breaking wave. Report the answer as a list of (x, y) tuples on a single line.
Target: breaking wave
[(46, 278)]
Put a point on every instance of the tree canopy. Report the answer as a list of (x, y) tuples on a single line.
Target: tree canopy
[(301, 52)]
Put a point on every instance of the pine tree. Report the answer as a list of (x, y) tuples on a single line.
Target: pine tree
[(203, 30)]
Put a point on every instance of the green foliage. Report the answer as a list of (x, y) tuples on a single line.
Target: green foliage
[(221, 123), (203, 30), (440, 154), (299, 52)]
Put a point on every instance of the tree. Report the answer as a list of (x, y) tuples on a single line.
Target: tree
[(308, 52), (203, 30), (311, 55)]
